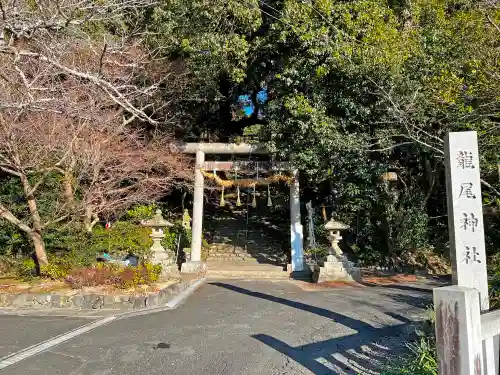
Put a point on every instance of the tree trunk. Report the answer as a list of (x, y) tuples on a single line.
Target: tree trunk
[(36, 234), (68, 192), (90, 219), (39, 245)]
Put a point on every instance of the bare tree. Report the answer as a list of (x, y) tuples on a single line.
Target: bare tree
[(108, 169), (114, 170), (43, 44), (28, 151), (79, 96)]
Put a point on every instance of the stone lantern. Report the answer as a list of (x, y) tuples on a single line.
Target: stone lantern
[(165, 257), (334, 227), (337, 267)]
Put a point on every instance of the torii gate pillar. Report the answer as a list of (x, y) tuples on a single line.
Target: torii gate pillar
[(296, 231), (197, 227)]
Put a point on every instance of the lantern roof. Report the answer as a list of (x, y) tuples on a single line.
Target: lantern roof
[(157, 221), (335, 225)]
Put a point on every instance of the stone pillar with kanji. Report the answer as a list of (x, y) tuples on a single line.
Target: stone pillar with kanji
[(465, 223)]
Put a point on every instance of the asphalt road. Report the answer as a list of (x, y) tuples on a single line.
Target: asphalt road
[(17, 333), (232, 327)]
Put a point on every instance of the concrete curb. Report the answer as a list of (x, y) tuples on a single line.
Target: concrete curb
[(95, 301)]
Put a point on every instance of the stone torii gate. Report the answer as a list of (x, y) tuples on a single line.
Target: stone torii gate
[(201, 149)]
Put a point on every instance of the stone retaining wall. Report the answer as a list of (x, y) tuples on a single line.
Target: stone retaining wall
[(92, 301)]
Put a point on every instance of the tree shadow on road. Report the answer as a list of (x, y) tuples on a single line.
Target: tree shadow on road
[(363, 352), (421, 301)]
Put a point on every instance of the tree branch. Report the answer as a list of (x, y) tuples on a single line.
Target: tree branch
[(10, 171), (488, 185), (9, 216), (391, 147), (493, 23), (55, 221), (106, 86)]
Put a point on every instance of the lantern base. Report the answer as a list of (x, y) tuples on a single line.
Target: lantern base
[(337, 268), (194, 267), (169, 271)]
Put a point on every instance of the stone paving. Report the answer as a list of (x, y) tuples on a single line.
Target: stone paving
[(239, 327)]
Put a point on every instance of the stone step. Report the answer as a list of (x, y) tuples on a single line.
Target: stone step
[(245, 270), (262, 257), (237, 264), (252, 253), (228, 258), (239, 274), (230, 253), (238, 250), (241, 253), (241, 269), (228, 250), (246, 253)]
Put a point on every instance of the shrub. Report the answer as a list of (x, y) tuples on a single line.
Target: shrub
[(421, 360), (142, 212), (147, 274), (26, 268), (125, 278), (8, 266), (92, 276), (53, 271), (494, 284), (121, 239), (317, 253)]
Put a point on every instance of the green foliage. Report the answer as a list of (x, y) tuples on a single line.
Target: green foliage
[(147, 274), (121, 239), (26, 268), (356, 88), (317, 252), (191, 30), (55, 271), (494, 280), (60, 265), (421, 360), (142, 212)]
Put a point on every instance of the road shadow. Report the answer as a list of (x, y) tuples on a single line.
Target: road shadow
[(363, 352), (420, 301), (435, 282)]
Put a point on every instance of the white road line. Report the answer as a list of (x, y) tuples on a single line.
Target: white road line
[(44, 345), (30, 351)]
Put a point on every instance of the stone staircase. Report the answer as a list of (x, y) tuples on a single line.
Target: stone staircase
[(238, 269), (227, 260), (221, 252), (246, 247)]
